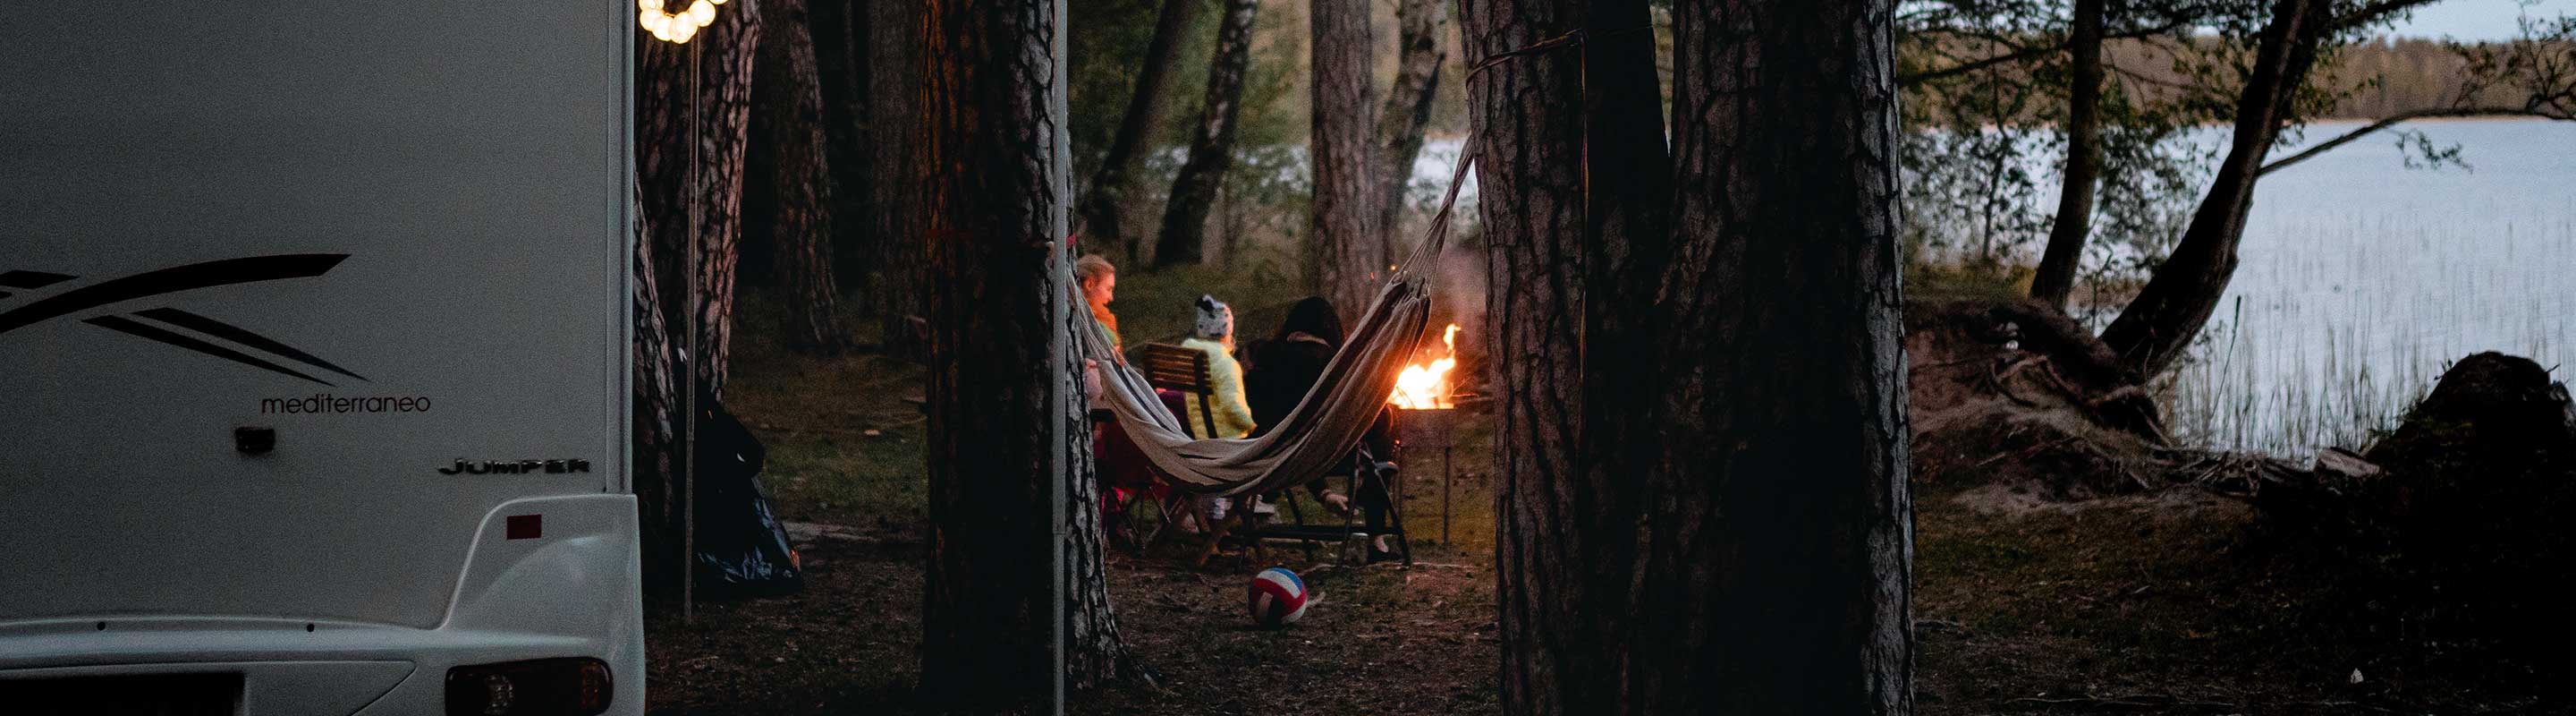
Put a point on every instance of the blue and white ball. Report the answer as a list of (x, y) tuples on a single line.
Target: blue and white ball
[(1278, 598)]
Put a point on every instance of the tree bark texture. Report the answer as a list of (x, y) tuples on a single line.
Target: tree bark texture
[(655, 409), (2073, 225), (1105, 200), (1195, 188), (1702, 455), (1419, 58), (790, 132), (1786, 564), (894, 131), (670, 184), (667, 183), (999, 398), (2158, 326), (1095, 650), (1350, 253), (1565, 505), (840, 32)]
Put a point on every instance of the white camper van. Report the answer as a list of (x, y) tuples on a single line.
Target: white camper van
[(313, 359)]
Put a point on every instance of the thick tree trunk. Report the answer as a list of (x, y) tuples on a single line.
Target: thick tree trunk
[(1349, 254), (1408, 106), (2159, 325), (1568, 500), (2073, 225), (900, 248), (1000, 397), (665, 135), (1789, 500), (1195, 188), (1703, 462), (840, 31), (1105, 200), (666, 304), (790, 135)]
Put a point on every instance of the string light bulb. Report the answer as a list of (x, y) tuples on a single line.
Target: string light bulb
[(677, 27)]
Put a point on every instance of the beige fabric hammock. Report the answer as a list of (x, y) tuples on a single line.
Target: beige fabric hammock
[(1325, 425)]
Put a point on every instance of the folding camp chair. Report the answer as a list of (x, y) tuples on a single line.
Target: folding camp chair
[(1185, 371), (1364, 470)]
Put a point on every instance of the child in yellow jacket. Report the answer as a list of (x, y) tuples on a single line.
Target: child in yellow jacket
[(1214, 336)]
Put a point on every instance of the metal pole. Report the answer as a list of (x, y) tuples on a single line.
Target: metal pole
[(689, 378)]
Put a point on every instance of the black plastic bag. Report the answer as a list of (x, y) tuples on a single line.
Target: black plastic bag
[(742, 548)]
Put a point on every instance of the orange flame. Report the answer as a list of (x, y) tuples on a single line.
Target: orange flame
[(1422, 387)]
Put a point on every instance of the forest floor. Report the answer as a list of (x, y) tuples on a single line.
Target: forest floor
[(2167, 602)]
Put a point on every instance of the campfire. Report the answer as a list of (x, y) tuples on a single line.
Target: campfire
[(1426, 387), (1428, 419)]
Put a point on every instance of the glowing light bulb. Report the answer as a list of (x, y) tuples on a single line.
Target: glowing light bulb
[(702, 12)]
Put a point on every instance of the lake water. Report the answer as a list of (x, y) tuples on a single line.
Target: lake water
[(2360, 280)]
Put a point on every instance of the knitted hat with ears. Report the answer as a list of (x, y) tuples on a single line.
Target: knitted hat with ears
[(1216, 320)]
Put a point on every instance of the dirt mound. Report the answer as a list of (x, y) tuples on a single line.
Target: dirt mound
[(2461, 513), (2013, 394)]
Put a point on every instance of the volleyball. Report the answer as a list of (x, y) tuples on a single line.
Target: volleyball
[(1278, 598)]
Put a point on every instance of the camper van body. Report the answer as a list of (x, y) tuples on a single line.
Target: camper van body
[(314, 356)]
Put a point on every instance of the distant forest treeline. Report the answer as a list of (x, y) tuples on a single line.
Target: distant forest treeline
[(2376, 79)]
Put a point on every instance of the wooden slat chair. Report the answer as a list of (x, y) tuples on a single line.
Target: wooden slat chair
[(1172, 367), (1184, 370)]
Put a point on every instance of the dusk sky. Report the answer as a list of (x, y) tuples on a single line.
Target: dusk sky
[(2478, 19)]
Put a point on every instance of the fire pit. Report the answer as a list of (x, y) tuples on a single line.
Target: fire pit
[(1427, 415)]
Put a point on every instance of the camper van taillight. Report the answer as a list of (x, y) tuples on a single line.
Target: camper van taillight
[(542, 687)]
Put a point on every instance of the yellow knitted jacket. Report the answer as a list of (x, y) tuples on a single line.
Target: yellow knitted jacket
[(1233, 415)]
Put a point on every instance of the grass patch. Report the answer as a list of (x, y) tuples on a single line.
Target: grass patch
[(843, 445)]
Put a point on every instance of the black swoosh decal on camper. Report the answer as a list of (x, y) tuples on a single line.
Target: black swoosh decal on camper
[(172, 280), (236, 334), (119, 323), (31, 279)]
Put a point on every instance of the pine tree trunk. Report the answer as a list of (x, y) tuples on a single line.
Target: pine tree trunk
[(840, 31), (1195, 188), (790, 133), (2073, 225), (1095, 650), (1790, 499), (655, 410), (665, 301), (900, 248), (999, 396), (1558, 580), (1349, 254), (2159, 325), (1105, 199), (1704, 410), (1408, 106), (663, 173)]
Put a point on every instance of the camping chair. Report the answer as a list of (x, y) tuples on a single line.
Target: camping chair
[(1185, 371), (1138, 482), (1363, 469)]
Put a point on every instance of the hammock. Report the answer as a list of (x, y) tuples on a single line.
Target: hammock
[(1324, 426)]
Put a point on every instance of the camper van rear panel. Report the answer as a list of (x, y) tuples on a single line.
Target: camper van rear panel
[(312, 319)]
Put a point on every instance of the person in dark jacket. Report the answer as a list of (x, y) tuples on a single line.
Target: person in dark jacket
[(1282, 370)]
